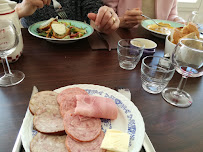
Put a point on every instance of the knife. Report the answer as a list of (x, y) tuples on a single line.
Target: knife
[(104, 40), (18, 142), (146, 143)]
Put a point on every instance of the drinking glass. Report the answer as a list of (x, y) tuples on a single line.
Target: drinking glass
[(188, 58), (8, 41), (193, 17), (156, 72), (129, 54)]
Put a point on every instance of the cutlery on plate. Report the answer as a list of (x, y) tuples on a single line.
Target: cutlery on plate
[(104, 40), (18, 142), (146, 143), (152, 20), (59, 10)]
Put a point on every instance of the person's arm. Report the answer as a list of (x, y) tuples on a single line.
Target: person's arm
[(28, 7), (173, 16)]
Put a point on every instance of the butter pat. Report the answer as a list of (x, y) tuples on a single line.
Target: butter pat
[(115, 141)]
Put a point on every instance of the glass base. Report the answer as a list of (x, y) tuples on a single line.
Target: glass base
[(11, 79), (179, 99)]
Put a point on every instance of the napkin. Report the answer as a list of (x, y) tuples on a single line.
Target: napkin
[(97, 43)]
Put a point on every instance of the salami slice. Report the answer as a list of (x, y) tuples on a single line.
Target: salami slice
[(81, 129), (48, 143), (67, 98), (49, 123), (92, 146), (43, 101)]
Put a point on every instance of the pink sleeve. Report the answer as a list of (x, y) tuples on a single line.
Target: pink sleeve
[(173, 15), (111, 3)]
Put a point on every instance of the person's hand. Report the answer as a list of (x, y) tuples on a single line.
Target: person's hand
[(131, 18), (28, 7), (105, 21)]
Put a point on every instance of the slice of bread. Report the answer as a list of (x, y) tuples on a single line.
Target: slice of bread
[(59, 30), (46, 25), (191, 27), (188, 31)]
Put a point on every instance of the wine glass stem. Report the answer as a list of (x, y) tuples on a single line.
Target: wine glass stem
[(7, 69), (182, 84)]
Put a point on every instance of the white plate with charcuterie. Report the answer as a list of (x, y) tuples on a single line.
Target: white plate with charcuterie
[(38, 127)]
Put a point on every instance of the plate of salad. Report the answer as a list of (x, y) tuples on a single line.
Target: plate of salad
[(61, 31)]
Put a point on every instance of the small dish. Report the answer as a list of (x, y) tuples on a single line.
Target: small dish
[(149, 46)]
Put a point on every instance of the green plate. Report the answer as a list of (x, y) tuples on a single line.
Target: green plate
[(145, 23), (33, 30)]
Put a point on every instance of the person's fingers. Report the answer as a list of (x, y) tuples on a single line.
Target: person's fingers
[(107, 19), (92, 16), (134, 22), (133, 12), (110, 21), (132, 18), (48, 2), (102, 10), (112, 25), (44, 2), (37, 3)]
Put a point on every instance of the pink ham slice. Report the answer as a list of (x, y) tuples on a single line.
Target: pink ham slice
[(81, 129), (67, 99), (94, 106), (92, 146)]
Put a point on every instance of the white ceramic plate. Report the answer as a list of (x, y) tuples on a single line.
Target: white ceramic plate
[(145, 23), (129, 118), (33, 30)]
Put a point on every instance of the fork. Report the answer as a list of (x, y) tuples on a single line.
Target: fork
[(59, 10), (152, 20)]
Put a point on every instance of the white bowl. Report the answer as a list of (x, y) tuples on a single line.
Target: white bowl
[(169, 47), (149, 46)]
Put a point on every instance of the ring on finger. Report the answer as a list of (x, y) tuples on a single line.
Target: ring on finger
[(114, 19)]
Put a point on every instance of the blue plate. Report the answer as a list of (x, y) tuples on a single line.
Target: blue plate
[(33, 30)]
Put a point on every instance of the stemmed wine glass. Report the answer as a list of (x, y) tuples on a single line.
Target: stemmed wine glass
[(8, 42), (193, 17), (188, 59)]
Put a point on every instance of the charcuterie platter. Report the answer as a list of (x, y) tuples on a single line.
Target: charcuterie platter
[(129, 119)]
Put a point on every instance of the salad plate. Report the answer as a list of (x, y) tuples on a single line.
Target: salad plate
[(129, 118), (146, 23), (89, 30)]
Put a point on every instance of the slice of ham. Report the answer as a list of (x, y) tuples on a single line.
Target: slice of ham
[(49, 123), (48, 143), (92, 146), (95, 106), (67, 99), (43, 101), (81, 129)]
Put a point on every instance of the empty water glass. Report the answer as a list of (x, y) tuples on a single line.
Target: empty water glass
[(156, 72), (128, 54)]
